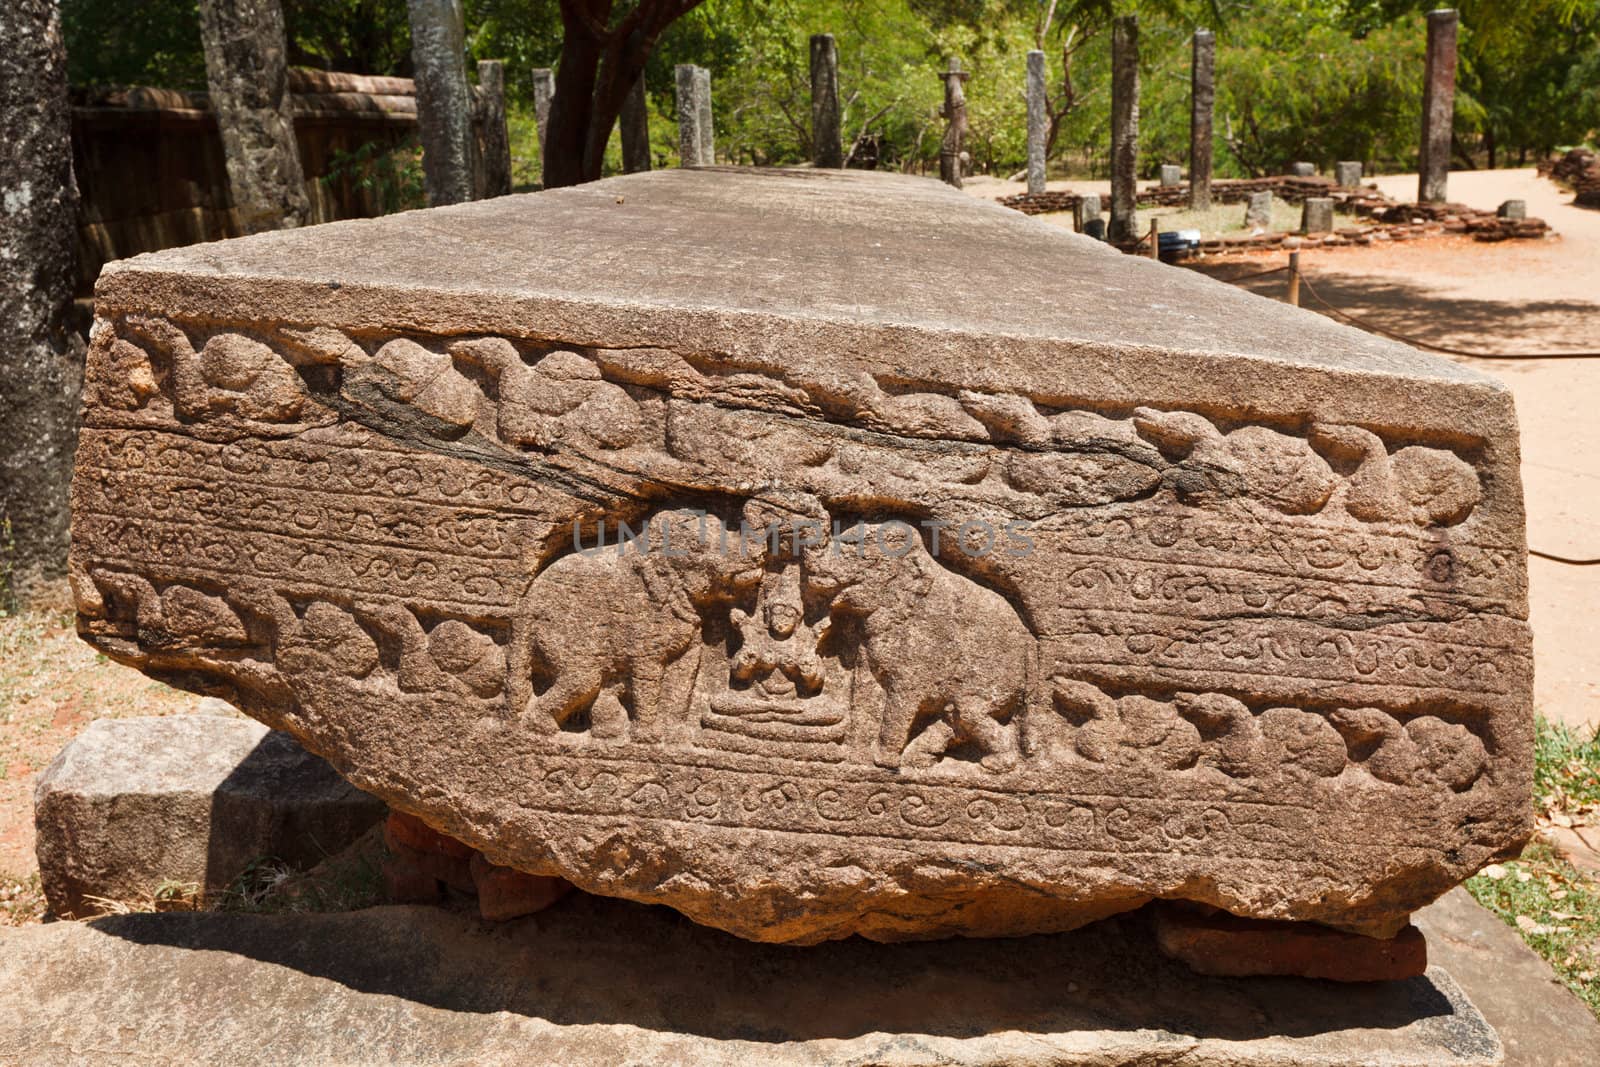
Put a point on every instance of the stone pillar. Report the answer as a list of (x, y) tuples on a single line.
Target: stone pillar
[(496, 138), (827, 145), (41, 357), (1088, 210), (544, 91), (1038, 122), (955, 130), (1258, 211), (1302, 170), (1171, 175), (1347, 175), (688, 108), (444, 104), (248, 81), (1438, 107), (1202, 102), (1124, 129), (708, 131), (1513, 209), (635, 124), (1316, 215)]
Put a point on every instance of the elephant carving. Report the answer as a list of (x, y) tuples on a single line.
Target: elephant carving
[(942, 647), (602, 624)]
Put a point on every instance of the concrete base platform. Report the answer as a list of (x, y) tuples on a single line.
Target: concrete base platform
[(596, 982)]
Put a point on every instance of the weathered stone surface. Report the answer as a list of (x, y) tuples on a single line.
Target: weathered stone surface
[(41, 355), (1513, 209), (1302, 170), (1538, 1020), (1316, 215), (1171, 175), (1258, 209), (544, 91), (602, 982), (1264, 646), (248, 81), (687, 104), (1347, 175), (1038, 121), (188, 799)]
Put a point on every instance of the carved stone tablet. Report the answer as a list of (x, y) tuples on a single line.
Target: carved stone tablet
[(994, 581)]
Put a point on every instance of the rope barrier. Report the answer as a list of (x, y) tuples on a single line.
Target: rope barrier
[(1372, 327)]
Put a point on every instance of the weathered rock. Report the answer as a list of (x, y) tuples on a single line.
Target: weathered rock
[(1540, 1022), (1171, 175), (1226, 945), (1347, 175), (1512, 209), (606, 983), (1302, 170), (1250, 630), (1316, 215), (131, 804), (40, 352), (496, 143)]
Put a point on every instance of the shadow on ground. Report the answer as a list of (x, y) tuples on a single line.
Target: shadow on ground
[(1416, 310), (590, 960)]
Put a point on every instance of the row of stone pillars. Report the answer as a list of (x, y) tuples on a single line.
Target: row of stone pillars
[(1438, 113)]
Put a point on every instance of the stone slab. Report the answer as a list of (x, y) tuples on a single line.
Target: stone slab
[(130, 804), (601, 982), (1229, 602), (1540, 1022)]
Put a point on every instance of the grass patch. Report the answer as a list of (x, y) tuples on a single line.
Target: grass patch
[(1566, 770), (1555, 908), (1551, 903)]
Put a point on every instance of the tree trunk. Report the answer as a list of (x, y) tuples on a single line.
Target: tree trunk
[(41, 357), (599, 64), (248, 80), (444, 103)]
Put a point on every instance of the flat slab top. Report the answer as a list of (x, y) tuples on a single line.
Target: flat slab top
[(600, 982), (844, 247)]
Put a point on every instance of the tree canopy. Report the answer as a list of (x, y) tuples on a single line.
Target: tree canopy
[(1296, 79)]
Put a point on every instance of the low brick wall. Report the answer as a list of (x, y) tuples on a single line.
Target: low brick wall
[(1386, 220), (1579, 170), (151, 173)]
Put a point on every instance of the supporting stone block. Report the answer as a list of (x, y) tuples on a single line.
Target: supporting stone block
[(1347, 175), (1316, 215), (505, 893), (1227, 945), (1171, 175), (131, 804)]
